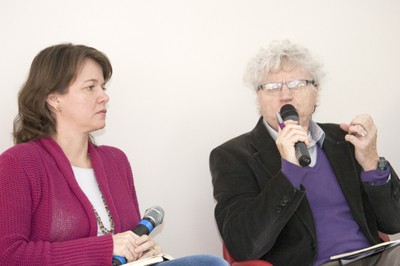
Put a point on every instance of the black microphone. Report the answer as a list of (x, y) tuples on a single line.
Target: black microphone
[(152, 217), (288, 112)]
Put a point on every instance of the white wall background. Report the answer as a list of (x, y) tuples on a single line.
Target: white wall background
[(177, 87)]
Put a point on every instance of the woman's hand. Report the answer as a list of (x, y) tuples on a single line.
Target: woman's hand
[(146, 247), (132, 247), (124, 245)]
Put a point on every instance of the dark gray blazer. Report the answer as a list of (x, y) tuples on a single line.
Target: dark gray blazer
[(260, 214)]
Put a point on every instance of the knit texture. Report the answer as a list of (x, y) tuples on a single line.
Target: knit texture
[(46, 219)]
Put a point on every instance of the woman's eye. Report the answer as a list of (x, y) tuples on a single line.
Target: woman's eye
[(90, 88)]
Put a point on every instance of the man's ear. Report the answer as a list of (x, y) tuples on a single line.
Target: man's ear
[(52, 101)]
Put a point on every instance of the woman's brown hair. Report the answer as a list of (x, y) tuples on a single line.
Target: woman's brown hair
[(52, 70)]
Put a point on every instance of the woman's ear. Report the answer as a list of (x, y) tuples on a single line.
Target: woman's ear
[(53, 102)]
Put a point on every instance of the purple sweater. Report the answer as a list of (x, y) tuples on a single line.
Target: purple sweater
[(336, 230), (46, 219)]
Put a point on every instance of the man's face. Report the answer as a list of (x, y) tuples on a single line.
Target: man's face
[(303, 98)]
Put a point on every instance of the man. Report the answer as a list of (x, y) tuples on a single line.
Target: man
[(270, 207)]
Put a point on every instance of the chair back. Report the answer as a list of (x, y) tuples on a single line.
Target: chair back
[(233, 262), (383, 236)]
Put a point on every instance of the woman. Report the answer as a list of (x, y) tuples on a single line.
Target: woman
[(64, 200)]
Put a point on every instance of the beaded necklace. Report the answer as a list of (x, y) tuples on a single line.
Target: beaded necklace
[(101, 225)]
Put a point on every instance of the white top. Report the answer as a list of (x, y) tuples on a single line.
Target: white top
[(88, 183)]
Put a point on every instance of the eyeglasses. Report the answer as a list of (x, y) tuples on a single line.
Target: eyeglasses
[(274, 87)]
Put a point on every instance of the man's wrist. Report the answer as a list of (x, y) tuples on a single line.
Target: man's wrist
[(370, 165)]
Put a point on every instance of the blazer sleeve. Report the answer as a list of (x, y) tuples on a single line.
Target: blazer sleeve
[(385, 201)]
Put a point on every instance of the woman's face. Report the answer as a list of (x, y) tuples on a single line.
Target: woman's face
[(83, 108)]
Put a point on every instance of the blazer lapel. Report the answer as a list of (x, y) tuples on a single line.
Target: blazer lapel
[(267, 156), (266, 153), (341, 158)]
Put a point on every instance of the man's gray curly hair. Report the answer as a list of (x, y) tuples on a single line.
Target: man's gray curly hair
[(278, 55)]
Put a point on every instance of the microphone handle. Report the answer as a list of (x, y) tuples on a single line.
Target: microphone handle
[(118, 260), (144, 227), (302, 154)]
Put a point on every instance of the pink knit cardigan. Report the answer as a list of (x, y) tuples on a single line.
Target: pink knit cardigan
[(46, 219)]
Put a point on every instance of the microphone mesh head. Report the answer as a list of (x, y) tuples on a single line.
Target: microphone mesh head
[(156, 214), (288, 112)]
